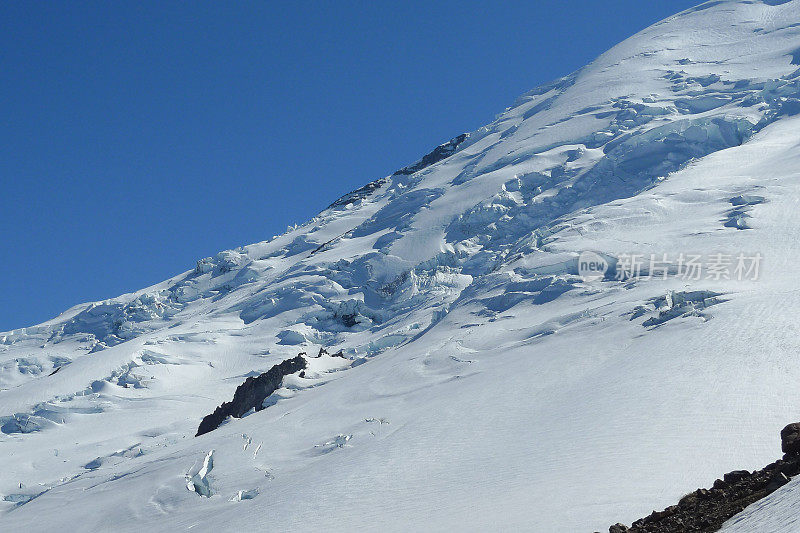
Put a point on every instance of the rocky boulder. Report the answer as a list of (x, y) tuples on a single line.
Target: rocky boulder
[(252, 393), (790, 439)]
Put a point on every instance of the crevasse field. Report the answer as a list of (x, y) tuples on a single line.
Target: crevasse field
[(486, 384)]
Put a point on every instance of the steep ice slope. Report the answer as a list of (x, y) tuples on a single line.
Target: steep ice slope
[(486, 383)]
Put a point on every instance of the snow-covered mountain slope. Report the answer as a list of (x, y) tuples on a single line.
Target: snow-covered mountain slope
[(486, 383)]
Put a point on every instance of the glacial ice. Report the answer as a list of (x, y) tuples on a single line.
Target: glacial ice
[(199, 481)]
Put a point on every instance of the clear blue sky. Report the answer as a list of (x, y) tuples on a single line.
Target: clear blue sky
[(138, 137)]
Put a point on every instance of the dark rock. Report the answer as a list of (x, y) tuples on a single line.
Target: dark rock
[(618, 528), (251, 394), (439, 153), (705, 510), (687, 500), (790, 439), (349, 320), (323, 351), (736, 475), (358, 194), (443, 151), (777, 481)]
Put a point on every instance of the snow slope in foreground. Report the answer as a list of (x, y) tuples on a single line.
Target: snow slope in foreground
[(486, 383), (777, 513)]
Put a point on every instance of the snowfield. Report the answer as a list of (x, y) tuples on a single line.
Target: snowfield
[(486, 385)]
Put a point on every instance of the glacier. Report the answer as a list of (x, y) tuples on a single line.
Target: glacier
[(485, 383)]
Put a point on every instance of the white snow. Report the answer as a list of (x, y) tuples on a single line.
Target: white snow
[(485, 385)]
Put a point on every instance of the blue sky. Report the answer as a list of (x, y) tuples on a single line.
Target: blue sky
[(138, 137)]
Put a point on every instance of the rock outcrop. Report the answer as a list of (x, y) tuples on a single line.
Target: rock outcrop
[(252, 393), (443, 151), (790, 439), (705, 510)]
